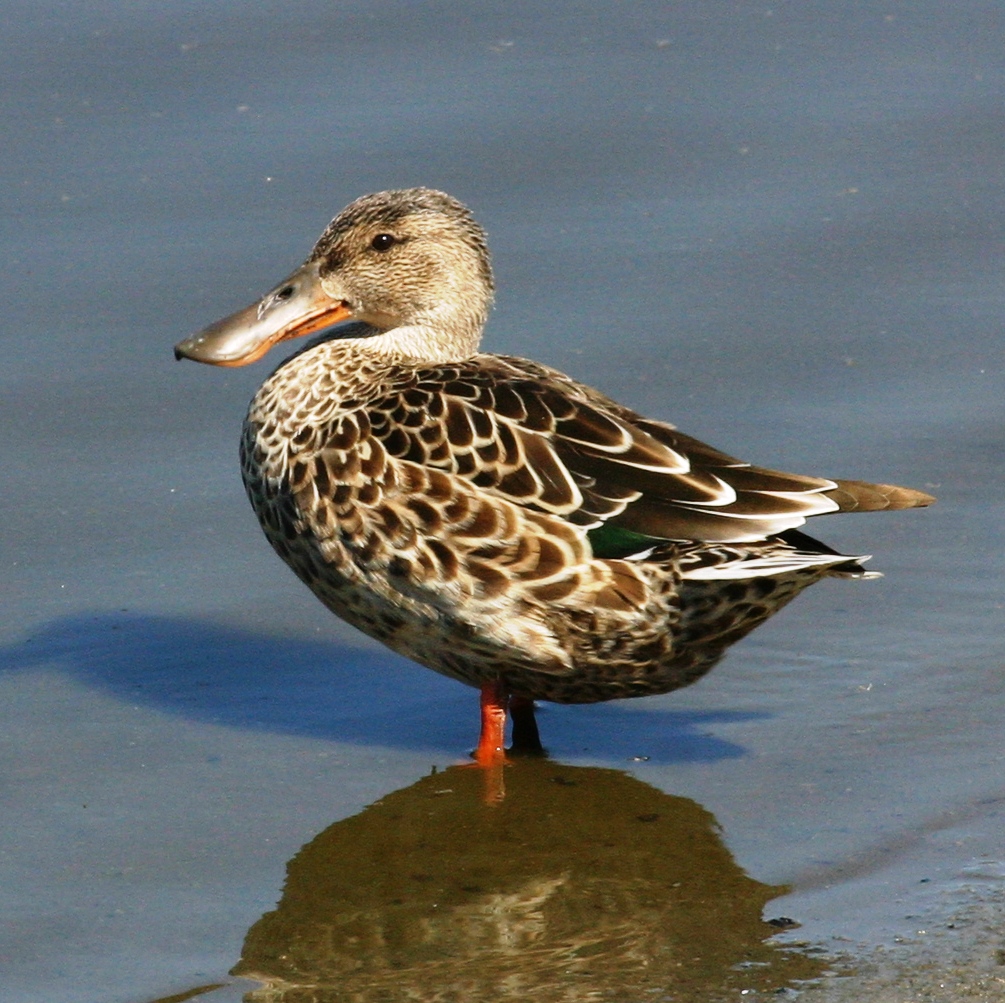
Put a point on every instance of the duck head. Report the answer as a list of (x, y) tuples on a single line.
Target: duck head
[(411, 265)]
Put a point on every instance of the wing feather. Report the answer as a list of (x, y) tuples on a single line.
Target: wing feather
[(535, 437)]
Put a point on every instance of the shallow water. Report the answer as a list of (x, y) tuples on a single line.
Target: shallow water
[(778, 226)]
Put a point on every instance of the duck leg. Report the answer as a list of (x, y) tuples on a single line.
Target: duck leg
[(526, 740), (491, 741), (496, 702)]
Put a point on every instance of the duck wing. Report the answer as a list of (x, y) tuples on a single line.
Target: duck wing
[(532, 435)]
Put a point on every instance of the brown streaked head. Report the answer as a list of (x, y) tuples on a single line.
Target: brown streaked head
[(413, 258)]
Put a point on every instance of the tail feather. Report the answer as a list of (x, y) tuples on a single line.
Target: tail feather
[(860, 496)]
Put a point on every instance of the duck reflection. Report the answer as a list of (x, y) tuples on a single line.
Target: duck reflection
[(583, 884)]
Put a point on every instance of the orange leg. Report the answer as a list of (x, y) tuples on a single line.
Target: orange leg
[(491, 742)]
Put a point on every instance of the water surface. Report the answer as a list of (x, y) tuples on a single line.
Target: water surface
[(779, 227)]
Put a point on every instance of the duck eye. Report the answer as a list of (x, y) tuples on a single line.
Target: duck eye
[(383, 241)]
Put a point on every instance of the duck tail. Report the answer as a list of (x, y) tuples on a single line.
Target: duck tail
[(860, 496)]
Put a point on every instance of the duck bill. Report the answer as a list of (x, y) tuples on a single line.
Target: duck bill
[(296, 307)]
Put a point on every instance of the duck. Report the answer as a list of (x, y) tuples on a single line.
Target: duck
[(488, 516)]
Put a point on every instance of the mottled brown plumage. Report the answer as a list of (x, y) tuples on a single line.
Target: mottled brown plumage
[(488, 516)]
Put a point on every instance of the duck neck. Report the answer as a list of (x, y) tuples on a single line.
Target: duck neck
[(430, 339)]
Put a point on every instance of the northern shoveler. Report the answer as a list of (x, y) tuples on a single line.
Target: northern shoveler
[(487, 516)]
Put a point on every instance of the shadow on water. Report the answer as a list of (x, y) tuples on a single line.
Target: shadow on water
[(584, 883), (243, 679)]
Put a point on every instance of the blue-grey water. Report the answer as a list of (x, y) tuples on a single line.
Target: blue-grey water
[(779, 226)]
